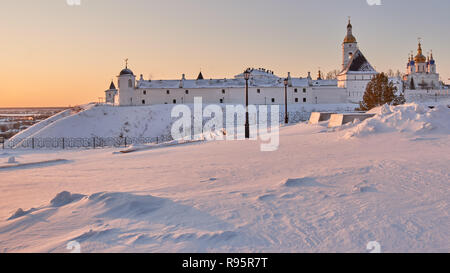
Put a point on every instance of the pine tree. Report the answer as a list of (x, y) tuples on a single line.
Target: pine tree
[(380, 91)]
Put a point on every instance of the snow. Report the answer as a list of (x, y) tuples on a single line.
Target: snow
[(12, 160), (106, 121), (258, 78), (319, 192), (40, 125), (413, 118)]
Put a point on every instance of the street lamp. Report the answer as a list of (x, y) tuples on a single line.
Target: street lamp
[(286, 118), (247, 124)]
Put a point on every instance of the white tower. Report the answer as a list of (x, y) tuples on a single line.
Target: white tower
[(349, 46), (432, 64), (126, 82), (111, 93)]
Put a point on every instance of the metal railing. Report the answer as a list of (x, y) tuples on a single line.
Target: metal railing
[(81, 143)]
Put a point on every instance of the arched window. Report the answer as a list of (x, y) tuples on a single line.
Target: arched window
[(130, 83)]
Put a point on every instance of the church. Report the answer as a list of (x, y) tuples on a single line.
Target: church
[(421, 72), (356, 70), (264, 86)]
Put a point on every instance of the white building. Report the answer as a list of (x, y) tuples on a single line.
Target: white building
[(421, 72), (111, 93), (356, 70), (264, 86)]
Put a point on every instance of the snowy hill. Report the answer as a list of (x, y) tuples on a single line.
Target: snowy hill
[(319, 192), (106, 121)]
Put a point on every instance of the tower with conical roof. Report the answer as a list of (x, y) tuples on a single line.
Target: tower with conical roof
[(349, 46), (111, 93)]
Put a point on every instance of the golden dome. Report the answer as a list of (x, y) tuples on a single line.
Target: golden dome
[(350, 39), (419, 57)]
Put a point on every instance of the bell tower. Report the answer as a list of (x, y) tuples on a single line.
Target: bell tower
[(349, 46), (126, 81)]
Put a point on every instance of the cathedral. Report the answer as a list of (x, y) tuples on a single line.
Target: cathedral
[(421, 72)]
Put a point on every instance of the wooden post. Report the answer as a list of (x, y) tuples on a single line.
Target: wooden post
[(63, 143), (32, 143)]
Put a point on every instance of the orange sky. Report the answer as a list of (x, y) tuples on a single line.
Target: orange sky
[(53, 54)]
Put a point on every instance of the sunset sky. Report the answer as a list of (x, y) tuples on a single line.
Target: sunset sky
[(54, 54)]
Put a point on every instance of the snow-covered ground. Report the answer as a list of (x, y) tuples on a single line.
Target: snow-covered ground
[(106, 121), (324, 190)]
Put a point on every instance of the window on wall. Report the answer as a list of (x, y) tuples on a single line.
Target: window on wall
[(130, 83), (145, 92), (296, 99), (304, 90), (187, 92), (174, 101), (221, 100), (143, 101), (295, 90), (168, 92), (223, 91), (273, 100), (258, 91), (304, 99)]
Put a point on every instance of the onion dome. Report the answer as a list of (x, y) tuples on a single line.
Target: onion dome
[(432, 59), (349, 38), (420, 58), (126, 71)]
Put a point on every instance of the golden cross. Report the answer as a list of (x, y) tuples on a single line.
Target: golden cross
[(126, 63)]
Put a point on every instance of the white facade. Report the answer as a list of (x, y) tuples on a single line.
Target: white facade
[(264, 86), (356, 70), (111, 94)]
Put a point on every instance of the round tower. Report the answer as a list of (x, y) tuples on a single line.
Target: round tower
[(126, 82)]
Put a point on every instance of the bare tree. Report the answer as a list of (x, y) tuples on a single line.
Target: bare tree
[(332, 75)]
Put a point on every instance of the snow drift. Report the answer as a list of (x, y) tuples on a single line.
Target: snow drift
[(411, 118)]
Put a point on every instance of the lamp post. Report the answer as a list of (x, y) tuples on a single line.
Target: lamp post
[(247, 124), (286, 117)]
